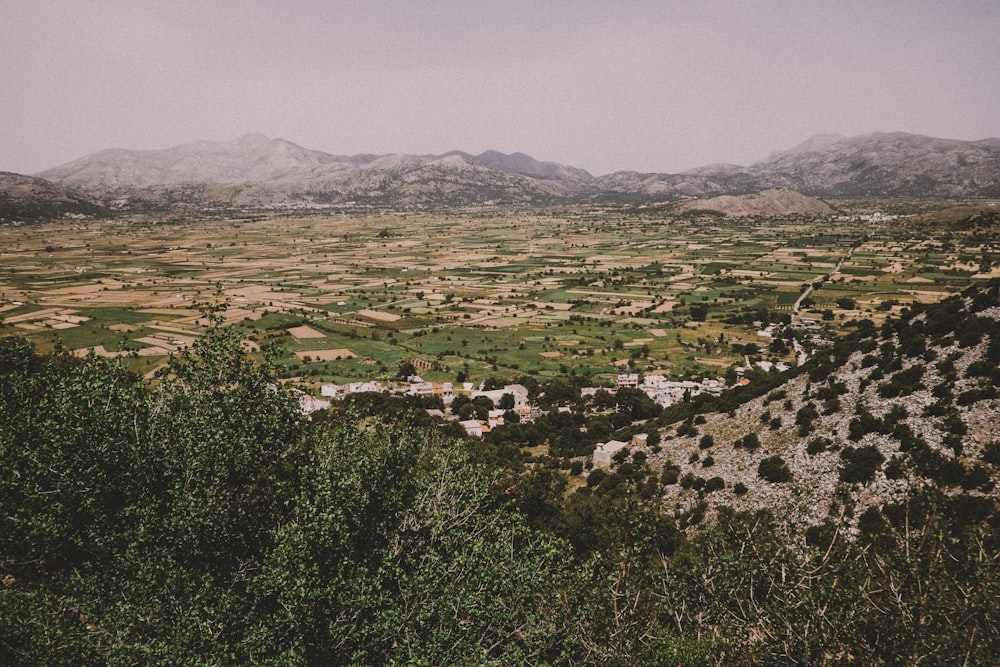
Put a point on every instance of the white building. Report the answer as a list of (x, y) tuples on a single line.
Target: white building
[(473, 427), (628, 380), (519, 392), (310, 404), (605, 451)]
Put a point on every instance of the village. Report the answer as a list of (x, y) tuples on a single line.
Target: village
[(511, 402)]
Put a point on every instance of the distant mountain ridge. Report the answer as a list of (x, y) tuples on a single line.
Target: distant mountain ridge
[(257, 171)]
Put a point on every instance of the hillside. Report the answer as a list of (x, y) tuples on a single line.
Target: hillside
[(257, 172), (774, 202), (198, 517), (883, 413), (260, 172), (886, 164), (24, 198)]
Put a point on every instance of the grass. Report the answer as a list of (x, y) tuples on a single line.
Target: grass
[(483, 277)]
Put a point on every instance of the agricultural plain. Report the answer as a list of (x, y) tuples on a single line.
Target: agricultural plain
[(547, 292)]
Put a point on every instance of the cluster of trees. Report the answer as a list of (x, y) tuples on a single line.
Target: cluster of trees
[(198, 518)]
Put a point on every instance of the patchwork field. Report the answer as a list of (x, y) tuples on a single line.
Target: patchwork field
[(585, 290)]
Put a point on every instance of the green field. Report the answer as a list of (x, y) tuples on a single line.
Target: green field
[(586, 290)]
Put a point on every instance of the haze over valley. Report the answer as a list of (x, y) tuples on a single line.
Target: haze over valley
[(689, 356)]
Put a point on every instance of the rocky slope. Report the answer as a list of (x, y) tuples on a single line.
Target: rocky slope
[(24, 198), (256, 171), (913, 405), (773, 202), (893, 164)]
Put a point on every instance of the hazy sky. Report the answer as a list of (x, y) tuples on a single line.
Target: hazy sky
[(651, 86)]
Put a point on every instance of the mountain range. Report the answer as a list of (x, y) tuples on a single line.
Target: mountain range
[(256, 171)]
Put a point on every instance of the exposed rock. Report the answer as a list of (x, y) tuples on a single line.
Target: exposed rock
[(258, 171)]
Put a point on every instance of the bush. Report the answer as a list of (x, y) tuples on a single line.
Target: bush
[(817, 445), (820, 536), (860, 464), (740, 489), (714, 484), (895, 468), (689, 481), (774, 469), (750, 441), (671, 473), (596, 476), (991, 453)]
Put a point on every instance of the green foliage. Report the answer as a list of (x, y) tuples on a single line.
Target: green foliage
[(198, 519), (817, 445), (774, 469), (991, 453), (750, 441), (859, 464)]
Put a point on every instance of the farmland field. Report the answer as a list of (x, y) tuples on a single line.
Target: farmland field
[(597, 291)]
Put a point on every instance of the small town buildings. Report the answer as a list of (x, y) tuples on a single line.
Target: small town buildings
[(341, 390), (518, 391)]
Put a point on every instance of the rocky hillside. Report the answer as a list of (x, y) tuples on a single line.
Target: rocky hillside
[(257, 171), (24, 198), (773, 202), (881, 164), (883, 412), (893, 164)]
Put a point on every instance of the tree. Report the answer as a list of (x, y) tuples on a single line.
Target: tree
[(482, 405), (406, 369)]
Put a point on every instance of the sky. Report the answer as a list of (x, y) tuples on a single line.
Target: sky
[(652, 86)]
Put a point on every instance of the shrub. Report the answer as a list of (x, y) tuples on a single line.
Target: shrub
[(739, 488), (954, 424), (977, 478), (689, 481), (860, 464), (774, 469), (714, 484), (903, 383), (861, 425), (817, 445), (596, 476), (820, 536), (671, 473), (750, 441), (991, 453), (706, 441), (895, 468)]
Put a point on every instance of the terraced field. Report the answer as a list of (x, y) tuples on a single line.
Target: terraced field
[(575, 290)]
